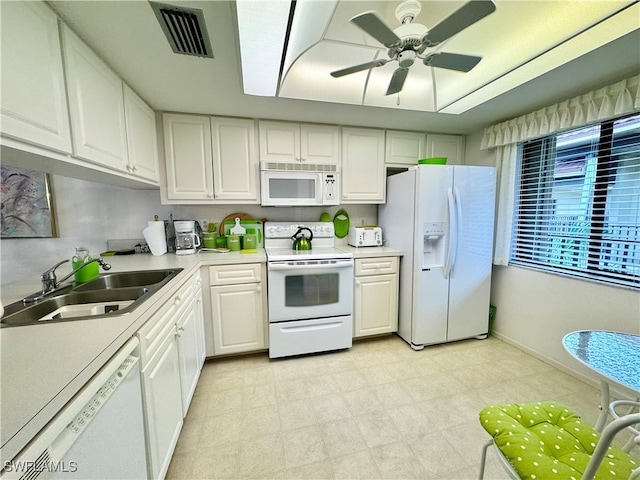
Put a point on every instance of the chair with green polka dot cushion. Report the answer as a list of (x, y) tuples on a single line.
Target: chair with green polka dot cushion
[(546, 441)]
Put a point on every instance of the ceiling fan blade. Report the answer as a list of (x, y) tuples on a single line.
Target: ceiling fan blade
[(462, 18), (452, 61), (397, 81), (371, 23), (358, 68)]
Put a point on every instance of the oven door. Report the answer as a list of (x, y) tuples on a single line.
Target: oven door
[(290, 188), (304, 289)]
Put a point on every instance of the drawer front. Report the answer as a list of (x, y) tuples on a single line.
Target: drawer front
[(153, 332), (376, 266), (235, 274)]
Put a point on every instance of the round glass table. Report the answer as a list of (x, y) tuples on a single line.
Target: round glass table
[(613, 356)]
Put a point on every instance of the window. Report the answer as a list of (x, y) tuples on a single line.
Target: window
[(578, 203)]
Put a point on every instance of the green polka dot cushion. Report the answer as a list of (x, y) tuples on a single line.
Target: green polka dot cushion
[(546, 440)]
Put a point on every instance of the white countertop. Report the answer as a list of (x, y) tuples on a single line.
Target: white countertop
[(43, 366)]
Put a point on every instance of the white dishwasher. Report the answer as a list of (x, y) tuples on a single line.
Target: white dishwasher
[(99, 434)]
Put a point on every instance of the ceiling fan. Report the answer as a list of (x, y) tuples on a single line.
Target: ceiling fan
[(411, 40)]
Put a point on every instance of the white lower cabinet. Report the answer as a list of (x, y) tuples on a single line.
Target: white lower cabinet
[(190, 335), (375, 296), (162, 406), (171, 351), (238, 308)]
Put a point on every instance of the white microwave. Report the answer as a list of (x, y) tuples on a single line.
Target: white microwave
[(296, 185)]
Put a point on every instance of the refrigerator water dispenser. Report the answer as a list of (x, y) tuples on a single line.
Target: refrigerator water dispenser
[(434, 249)]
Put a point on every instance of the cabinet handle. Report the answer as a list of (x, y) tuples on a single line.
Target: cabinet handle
[(134, 168), (210, 195), (258, 289), (357, 283)]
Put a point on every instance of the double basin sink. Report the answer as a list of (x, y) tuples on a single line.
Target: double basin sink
[(106, 296)]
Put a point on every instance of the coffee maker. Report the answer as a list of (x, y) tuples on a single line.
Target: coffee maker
[(187, 238)]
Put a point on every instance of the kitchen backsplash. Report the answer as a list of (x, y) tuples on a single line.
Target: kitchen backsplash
[(358, 214), (89, 214)]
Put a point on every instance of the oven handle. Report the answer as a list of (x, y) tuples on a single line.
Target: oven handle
[(303, 266)]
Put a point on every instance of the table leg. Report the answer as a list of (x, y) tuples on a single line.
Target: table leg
[(604, 405)]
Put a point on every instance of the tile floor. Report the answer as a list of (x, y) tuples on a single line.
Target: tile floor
[(377, 410)]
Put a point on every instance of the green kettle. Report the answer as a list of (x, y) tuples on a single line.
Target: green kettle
[(300, 242)]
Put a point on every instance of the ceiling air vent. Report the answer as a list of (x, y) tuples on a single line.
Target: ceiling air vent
[(184, 28)]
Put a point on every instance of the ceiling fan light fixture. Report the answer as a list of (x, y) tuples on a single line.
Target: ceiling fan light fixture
[(406, 58)]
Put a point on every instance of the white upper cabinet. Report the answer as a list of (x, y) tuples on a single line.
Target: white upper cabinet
[(294, 142), (449, 146), (187, 150), (142, 139), (33, 98), (363, 167), (404, 148), (279, 142), (210, 159), (235, 160), (320, 144), (96, 105)]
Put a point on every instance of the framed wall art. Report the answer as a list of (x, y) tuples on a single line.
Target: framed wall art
[(27, 204)]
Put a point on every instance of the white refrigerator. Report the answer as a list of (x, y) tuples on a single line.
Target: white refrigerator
[(442, 217)]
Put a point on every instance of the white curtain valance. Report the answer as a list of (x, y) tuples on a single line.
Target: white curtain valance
[(607, 102)]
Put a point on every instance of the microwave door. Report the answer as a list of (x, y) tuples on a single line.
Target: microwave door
[(287, 189)]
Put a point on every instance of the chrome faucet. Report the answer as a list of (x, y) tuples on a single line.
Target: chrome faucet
[(50, 283)]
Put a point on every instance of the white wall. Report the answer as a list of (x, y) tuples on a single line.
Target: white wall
[(536, 309)]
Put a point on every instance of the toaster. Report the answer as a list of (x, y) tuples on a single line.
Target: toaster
[(365, 236)]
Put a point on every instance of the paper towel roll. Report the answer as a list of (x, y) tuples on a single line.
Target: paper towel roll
[(155, 237)]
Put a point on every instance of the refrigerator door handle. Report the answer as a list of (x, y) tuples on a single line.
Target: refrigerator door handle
[(456, 229), (450, 233)]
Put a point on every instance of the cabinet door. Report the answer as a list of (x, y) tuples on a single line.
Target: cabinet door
[(235, 160), (162, 406), (96, 106), (34, 101), (202, 343), (363, 169), (238, 318), (449, 146), (279, 142), (187, 145), (142, 142), (404, 148), (375, 305), (320, 144), (189, 348)]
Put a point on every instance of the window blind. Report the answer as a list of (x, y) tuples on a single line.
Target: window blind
[(578, 203)]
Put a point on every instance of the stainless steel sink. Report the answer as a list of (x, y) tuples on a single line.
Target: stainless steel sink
[(143, 278), (109, 295)]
